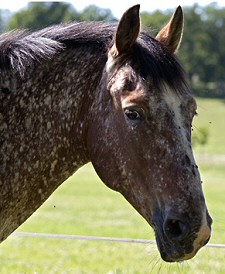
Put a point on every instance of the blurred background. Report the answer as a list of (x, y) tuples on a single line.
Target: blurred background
[(84, 205)]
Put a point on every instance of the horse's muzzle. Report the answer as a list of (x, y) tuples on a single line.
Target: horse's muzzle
[(179, 237)]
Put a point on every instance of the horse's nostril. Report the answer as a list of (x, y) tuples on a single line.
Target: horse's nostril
[(176, 229)]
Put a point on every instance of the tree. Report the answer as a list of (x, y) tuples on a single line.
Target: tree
[(42, 14), (202, 51), (94, 13), (152, 22)]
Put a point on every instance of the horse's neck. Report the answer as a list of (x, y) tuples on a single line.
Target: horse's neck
[(45, 111), (42, 133)]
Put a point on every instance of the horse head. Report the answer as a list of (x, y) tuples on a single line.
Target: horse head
[(141, 126)]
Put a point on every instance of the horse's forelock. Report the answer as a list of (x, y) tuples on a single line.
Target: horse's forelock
[(152, 60), (158, 63)]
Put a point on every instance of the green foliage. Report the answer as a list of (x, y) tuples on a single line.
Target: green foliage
[(153, 22), (94, 13), (202, 50), (42, 14)]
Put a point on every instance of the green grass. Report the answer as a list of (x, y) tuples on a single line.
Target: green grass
[(85, 206), (211, 114)]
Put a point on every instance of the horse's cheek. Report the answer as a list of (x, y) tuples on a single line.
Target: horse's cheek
[(101, 146)]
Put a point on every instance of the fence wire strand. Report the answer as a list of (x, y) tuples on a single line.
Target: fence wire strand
[(95, 238)]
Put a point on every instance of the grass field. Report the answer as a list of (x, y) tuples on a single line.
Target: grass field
[(85, 206)]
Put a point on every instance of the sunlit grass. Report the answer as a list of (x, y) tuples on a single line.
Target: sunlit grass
[(211, 114)]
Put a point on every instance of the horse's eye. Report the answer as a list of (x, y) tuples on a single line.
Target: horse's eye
[(134, 114)]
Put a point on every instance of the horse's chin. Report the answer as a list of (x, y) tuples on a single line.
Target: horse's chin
[(174, 252), (178, 254)]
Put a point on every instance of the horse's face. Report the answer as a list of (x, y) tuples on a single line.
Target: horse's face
[(143, 150)]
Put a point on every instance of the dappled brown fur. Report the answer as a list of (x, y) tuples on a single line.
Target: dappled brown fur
[(76, 93)]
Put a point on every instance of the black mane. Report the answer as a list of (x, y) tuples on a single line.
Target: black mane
[(21, 49)]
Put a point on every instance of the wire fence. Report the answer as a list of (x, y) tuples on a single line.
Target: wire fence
[(95, 238)]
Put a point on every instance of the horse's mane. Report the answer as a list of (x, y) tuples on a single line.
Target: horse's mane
[(20, 49)]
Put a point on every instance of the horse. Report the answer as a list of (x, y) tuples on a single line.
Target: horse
[(112, 95)]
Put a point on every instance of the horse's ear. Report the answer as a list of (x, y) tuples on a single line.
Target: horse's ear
[(171, 34), (127, 30)]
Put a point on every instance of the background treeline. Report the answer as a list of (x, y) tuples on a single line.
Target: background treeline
[(203, 48)]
